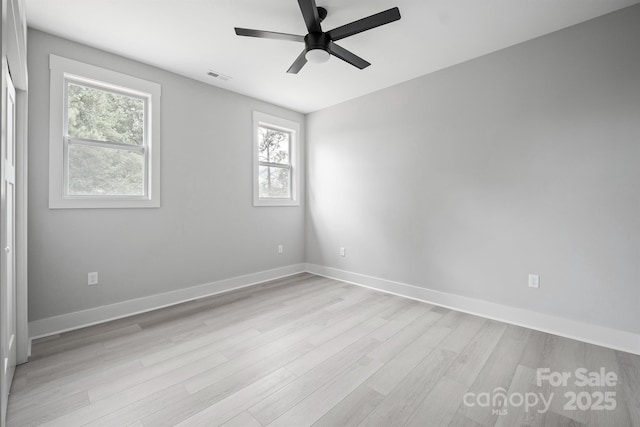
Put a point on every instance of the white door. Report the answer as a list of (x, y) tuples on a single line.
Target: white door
[(7, 270)]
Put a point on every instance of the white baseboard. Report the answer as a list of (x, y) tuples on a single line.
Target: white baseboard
[(599, 335), (80, 319)]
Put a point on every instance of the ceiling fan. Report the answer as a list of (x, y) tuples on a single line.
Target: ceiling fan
[(319, 45)]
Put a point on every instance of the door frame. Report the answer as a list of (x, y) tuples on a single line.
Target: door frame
[(14, 56), (23, 342), (8, 291)]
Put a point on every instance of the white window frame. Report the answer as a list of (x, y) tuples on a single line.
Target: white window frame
[(293, 128), (63, 70)]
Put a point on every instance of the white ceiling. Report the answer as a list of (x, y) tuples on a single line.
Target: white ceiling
[(191, 37)]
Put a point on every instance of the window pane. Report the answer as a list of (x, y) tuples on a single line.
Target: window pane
[(273, 145), (274, 182), (98, 171), (105, 116)]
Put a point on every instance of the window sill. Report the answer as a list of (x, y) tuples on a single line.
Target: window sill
[(77, 203), (276, 202)]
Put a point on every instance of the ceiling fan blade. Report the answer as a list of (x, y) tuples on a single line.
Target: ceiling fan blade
[(347, 56), (298, 63), (268, 35), (365, 24), (310, 14)]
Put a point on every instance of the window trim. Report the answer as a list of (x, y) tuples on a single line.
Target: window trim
[(293, 128), (63, 70)]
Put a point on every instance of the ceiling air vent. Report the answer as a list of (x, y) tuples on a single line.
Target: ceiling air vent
[(218, 75)]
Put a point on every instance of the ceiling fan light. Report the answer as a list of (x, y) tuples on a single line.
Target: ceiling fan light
[(317, 56)]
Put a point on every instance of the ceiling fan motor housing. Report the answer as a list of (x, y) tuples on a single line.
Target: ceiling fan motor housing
[(317, 41)]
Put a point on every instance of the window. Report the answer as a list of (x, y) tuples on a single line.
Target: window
[(275, 154), (104, 148)]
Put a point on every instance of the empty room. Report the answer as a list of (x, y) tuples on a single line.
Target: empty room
[(320, 213)]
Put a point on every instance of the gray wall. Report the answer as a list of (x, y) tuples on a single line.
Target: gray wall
[(466, 180), (206, 229)]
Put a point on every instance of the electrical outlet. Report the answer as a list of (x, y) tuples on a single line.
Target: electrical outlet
[(93, 278), (534, 281), (280, 249), (342, 252)]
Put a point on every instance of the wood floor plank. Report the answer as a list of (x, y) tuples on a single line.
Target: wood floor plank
[(305, 363), (630, 384), (214, 385), (63, 388), (257, 313), (266, 301), (497, 372), (451, 319), (347, 319), (63, 359), (459, 420), (409, 313), (537, 349), (123, 383), (262, 313), (154, 333), (136, 411), (277, 354), (523, 381), (201, 307), (48, 410), (326, 397), (356, 296), (266, 305), (565, 355), (53, 347), (284, 399), (352, 409), (396, 369), (398, 407), (215, 341), (394, 345), (242, 420), (307, 324), (473, 357), (42, 347), (107, 405), (598, 358), (440, 405), (467, 327), (231, 406), (552, 419), (103, 360)]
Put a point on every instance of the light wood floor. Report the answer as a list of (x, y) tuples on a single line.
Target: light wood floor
[(306, 350)]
